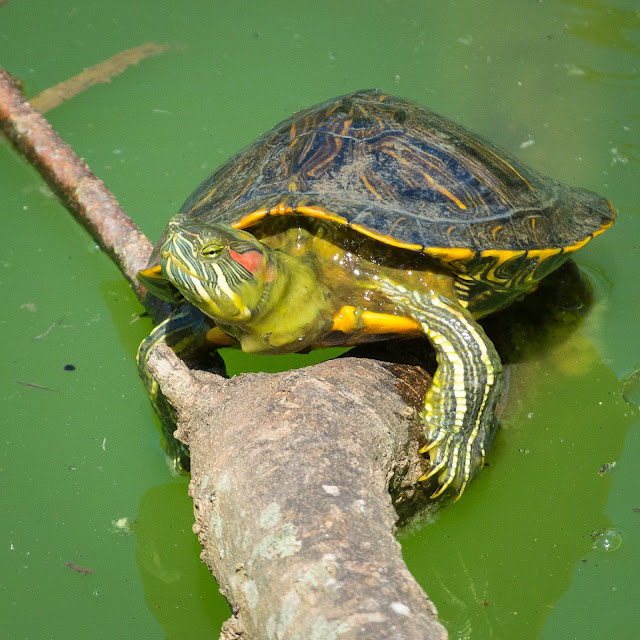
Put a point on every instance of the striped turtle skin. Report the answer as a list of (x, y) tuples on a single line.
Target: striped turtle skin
[(382, 218)]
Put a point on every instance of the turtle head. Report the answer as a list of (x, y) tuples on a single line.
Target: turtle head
[(220, 270)]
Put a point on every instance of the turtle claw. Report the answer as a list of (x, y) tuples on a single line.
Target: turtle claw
[(432, 472), (452, 457), (437, 492), (443, 487), (452, 471), (433, 443)]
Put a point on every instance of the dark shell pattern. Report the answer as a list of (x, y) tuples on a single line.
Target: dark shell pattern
[(399, 172)]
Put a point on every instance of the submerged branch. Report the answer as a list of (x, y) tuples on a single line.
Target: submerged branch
[(101, 72)]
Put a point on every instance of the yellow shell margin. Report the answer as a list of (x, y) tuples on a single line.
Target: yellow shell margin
[(445, 254)]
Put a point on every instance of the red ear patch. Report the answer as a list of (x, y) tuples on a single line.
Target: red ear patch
[(251, 260)]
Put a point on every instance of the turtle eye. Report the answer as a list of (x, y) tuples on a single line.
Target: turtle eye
[(211, 250)]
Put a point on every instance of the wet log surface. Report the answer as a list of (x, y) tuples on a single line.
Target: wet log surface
[(291, 481)]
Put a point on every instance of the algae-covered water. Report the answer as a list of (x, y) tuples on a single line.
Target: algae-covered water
[(545, 543)]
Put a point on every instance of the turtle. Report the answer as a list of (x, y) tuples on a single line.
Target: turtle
[(370, 217)]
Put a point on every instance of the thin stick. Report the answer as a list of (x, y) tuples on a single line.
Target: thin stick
[(102, 72)]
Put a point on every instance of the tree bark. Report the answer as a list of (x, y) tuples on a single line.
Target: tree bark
[(291, 476), (299, 478)]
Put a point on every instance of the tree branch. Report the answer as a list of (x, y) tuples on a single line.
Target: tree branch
[(297, 478)]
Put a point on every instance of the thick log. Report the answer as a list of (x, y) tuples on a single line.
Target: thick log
[(291, 481)]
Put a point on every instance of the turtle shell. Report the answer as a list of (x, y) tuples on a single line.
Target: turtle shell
[(400, 173)]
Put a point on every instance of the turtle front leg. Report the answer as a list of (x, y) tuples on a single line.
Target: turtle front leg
[(459, 406), (185, 331)]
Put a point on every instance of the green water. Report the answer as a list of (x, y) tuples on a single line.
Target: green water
[(555, 82)]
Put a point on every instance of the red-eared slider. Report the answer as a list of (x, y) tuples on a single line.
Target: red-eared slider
[(361, 218)]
